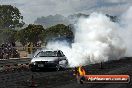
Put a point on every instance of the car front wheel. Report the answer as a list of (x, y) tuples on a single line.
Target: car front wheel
[(57, 68)]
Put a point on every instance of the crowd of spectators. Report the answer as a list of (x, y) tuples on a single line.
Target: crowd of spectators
[(8, 50)]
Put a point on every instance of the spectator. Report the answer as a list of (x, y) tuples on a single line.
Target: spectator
[(8, 51)]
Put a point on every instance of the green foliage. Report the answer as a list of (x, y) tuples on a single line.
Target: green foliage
[(30, 34), (34, 33), (59, 30), (10, 17), (7, 35)]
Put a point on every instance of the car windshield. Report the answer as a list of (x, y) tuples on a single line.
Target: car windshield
[(47, 54)]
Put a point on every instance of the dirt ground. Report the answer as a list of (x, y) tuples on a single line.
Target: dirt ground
[(22, 78)]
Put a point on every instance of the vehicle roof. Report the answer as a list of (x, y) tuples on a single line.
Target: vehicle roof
[(50, 50)]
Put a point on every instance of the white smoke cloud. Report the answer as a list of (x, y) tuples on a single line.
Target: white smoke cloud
[(96, 40), (126, 30)]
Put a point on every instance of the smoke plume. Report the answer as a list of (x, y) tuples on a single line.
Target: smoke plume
[(97, 39), (126, 30)]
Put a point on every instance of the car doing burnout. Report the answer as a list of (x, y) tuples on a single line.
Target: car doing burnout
[(49, 59)]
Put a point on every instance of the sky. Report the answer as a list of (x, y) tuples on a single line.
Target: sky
[(31, 9)]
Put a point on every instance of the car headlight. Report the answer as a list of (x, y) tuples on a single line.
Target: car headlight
[(34, 63)]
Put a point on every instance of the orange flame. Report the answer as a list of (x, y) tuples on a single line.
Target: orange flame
[(81, 71)]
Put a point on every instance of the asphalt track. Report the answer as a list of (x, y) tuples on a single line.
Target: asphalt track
[(24, 78)]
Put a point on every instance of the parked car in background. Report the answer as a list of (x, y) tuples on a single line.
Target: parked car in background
[(49, 59)]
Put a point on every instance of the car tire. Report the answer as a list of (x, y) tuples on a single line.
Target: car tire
[(64, 65)]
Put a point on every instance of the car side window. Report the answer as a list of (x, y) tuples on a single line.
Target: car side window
[(60, 54), (38, 54)]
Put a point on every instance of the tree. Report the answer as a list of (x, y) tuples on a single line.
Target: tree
[(30, 34), (10, 17), (7, 36), (59, 31)]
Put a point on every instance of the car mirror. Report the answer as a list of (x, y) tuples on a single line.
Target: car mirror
[(60, 55)]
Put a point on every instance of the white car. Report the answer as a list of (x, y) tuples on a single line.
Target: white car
[(49, 59)]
